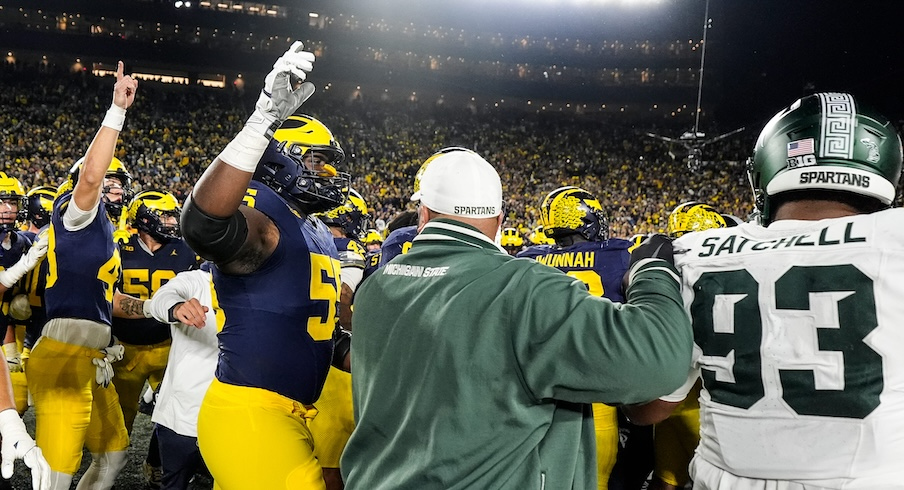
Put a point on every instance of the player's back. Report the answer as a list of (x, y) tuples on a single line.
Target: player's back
[(599, 265), (798, 332), (398, 242)]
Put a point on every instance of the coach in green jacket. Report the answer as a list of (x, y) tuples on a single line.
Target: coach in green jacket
[(475, 370)]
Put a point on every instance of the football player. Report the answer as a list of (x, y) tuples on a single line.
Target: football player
[(676, 438), (82, 408), (267, 249), (574, 219), (347, 224), (150, 257), (395, 243), (373, 240), (538, 237), (511, 241), (15, 258), (796, 318), (31, 314), (403, 229), (40, 206), (335, 421)]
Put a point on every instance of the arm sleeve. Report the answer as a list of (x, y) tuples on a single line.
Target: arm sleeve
[(75, 219), (682, 392), (352, 276), (576, 347), (186, 285)]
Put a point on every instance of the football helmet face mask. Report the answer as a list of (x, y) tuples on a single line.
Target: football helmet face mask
[(693, 216), (825, 141), (156, 213), (13, 203), (301, 167), (117, 189), (40, 205), (572, 210), (352, 216)]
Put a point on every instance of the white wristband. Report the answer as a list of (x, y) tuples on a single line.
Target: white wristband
[(115, 118), (245, 150)]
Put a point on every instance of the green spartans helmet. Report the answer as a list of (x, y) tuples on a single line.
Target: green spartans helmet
[(825, 141)]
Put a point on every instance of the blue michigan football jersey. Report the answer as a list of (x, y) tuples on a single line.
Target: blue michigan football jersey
[(398, 242), (599, 265), (280, 319), (83, 267), (142, 275)]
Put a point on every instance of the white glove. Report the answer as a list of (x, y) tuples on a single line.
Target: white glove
[(11, 352), (279, 99), (27, 262), (17, 444), (104, 373)]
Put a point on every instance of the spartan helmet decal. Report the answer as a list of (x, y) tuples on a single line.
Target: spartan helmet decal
[(825, 141)]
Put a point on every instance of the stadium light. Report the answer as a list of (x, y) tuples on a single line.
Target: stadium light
[(178, 4)]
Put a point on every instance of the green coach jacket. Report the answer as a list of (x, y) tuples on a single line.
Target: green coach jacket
[(472, 369)]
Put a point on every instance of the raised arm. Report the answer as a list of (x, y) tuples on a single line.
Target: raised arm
[(97, 160), (212, 223)]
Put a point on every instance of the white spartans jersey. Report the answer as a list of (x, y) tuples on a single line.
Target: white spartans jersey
[(799, 339)]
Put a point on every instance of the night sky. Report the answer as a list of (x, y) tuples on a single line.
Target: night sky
[(762, 55), (769, 52)]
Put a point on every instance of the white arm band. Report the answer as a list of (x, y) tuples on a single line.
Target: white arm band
[(115, 118), (75, 219), (245, 150)]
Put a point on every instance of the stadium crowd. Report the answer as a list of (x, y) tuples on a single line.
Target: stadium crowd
[(48, 117)]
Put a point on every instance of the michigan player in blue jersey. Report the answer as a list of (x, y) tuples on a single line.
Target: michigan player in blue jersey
[(81, 408), (277, 279), (373, 240), (583, 249), (15, 245), (151, 256), (40, 207), (154, 254), (18, 256), (335, 421), (348, 225), (398, 242)]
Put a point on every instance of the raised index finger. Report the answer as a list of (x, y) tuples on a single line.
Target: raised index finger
[(119, 70)]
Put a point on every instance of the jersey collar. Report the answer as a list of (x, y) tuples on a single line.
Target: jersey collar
[(443, 229)]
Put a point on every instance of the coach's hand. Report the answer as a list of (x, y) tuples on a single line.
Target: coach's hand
[(653, 247)]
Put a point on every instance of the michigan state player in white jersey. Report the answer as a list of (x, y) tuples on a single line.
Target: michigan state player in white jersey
[(797, 323)]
